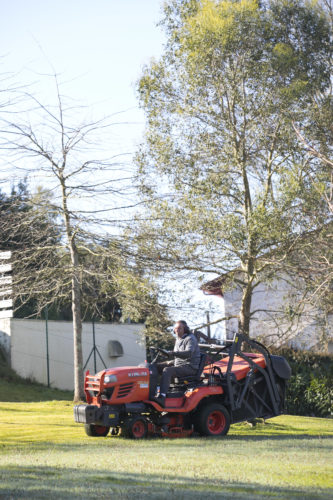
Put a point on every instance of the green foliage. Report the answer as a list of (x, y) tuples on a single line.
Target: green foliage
[(29, 229), (309, 390), (157, 332), (319, 394), (138, 296), (23, 223), (109, 285), (222, 173)]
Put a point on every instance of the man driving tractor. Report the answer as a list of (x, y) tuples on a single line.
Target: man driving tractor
[(186, 360), (235, 386)]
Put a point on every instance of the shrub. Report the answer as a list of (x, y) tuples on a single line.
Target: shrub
[(310, 389)]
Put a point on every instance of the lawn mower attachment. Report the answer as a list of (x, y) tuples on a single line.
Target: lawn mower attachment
[(230, 386)]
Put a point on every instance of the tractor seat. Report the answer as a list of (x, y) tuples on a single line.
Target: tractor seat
[(192, 379)]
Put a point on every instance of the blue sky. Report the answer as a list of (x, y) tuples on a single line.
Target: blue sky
[(97, 47)]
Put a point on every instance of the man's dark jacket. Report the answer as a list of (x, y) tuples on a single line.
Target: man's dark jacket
[(186, 351)]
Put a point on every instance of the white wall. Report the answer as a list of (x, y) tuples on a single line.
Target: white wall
[(28, 348), (271, 322)]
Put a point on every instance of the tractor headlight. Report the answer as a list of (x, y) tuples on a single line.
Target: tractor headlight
[(108, 379)]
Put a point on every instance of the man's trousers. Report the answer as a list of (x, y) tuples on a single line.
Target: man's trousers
[(169, 372)]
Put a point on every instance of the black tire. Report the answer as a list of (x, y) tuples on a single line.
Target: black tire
[(135, 428), (96, 430), (114, 431), (212, 420)]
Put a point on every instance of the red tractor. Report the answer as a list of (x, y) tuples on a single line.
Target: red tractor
[(230, 386)]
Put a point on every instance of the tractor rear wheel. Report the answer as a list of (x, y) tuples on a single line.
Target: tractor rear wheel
[(212, 420), (135, 428), (96, 430)]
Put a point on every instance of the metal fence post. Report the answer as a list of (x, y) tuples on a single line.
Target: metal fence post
[(47, 345), (208, 325), (94, 345)]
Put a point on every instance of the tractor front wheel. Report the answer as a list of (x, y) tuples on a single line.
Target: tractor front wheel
[(212, 420), (135, 428), (114, 431), (96, 430)]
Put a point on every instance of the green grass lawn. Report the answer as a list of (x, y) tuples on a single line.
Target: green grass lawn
[(45, 454)]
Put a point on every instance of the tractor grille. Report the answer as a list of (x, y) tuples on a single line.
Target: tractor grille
[(124, 390), (92, 385), (108, 392)]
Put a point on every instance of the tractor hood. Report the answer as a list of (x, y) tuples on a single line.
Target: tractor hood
[(123, 374)]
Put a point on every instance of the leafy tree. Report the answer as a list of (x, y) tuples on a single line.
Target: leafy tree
[(223, 176), (19, 206), (314, 130), (32, 235), (140, 301)]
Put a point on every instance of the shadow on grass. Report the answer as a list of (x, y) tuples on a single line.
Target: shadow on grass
[(191, 444), (40, 482), (278, 437)]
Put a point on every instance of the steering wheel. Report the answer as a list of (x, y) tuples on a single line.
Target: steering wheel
[(163, 351), (159, 350)]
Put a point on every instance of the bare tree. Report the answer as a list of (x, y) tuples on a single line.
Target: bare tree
[(87, 193)]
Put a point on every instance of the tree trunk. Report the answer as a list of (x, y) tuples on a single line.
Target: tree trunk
[(76, 299), (245, 311), (77, 328)]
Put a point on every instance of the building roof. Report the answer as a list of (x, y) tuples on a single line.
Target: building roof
[(213, 287)]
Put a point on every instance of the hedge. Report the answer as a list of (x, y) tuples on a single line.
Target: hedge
[(310, 389)]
